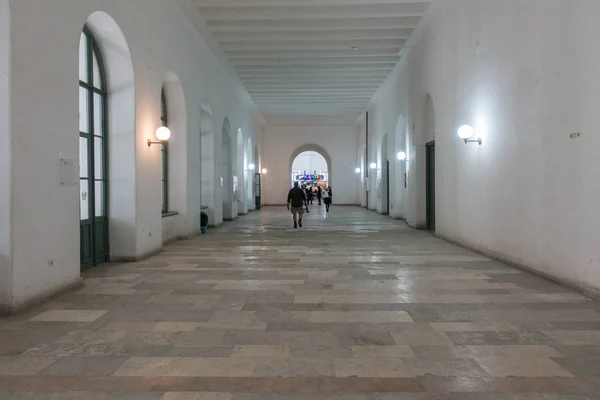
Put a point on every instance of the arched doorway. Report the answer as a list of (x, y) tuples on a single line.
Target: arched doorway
[(429, 131), (385, 176), (93, 153), (227, 172), (310, 165), (115, 180), (400, 180), (207, 165)]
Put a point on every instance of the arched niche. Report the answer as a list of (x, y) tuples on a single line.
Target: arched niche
[(226, 169), (424, 135), (175, 160), (241, 169), (208, 162), (399, 182)]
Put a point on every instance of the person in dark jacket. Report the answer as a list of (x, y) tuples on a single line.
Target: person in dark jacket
[(295, 203)]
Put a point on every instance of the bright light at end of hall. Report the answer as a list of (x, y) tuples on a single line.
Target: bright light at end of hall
[(401, 156), (373, 166), (358, 170), (466, 132), (264, 171), (251, 167)]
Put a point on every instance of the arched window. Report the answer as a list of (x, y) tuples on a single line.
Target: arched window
[(93, 176), (164, 117)]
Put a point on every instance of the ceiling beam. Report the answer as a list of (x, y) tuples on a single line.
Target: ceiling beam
[(299, 36), (296, 12), (317, 53), (290, 25), (354, 68), (291, 3), (318, 44), (315, 61)]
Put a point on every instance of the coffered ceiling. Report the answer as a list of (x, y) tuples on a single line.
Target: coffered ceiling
[(312, 57)]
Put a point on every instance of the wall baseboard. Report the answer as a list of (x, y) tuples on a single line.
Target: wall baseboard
[(143, 256), (586, 290), (12, 309)]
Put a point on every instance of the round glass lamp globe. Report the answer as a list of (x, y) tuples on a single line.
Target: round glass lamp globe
[(401, 156), (357, 170), (251, 167), (163, 133), (264, 171), (466, 132), (373, 165)]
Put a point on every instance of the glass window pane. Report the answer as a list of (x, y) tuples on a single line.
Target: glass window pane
[(98, 158), (83, 42), (163, 195), (99, 199), (84, 204), (96, 71), (84, 121), (163, 163), (98, 115), (83, 157)]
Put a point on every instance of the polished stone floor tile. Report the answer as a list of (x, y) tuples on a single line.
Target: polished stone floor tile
[(575, 338), (85, 366), (297, 367), (269, 352), (522, 366), (372, 368), (354, 306), (382, 352), (187, 367), (70, 315), (24, 364)]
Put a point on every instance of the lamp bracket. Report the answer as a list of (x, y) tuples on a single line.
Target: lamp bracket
[(479, 140), (150, 142)]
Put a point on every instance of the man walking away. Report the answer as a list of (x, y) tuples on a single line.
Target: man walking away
[(295, 202)]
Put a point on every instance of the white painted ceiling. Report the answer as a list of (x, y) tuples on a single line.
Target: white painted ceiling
[(312, 57)]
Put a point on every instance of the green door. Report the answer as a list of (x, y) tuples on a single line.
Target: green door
[(93, 182), (430, 185)]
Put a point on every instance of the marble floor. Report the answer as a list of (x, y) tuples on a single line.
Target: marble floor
[(353, 306)]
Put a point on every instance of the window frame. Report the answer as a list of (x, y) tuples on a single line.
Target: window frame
[(164, 156)]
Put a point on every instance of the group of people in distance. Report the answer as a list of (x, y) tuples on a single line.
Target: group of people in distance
[(299, 199)]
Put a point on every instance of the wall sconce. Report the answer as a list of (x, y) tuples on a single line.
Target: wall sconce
[(162, 134), (251, 167), (373, 166), (401, 156), (358, 170), (264, 171), (466, 133)]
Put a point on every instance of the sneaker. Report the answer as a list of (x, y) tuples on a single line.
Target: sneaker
[(300, 224)]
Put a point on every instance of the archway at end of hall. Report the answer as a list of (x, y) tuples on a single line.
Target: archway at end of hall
[(310, 166)]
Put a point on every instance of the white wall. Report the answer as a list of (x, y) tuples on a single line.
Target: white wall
[(5, 139), (44, 60), (279, 145), (529, 194)]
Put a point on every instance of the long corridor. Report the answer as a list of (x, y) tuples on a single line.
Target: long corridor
[(353, 306)]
